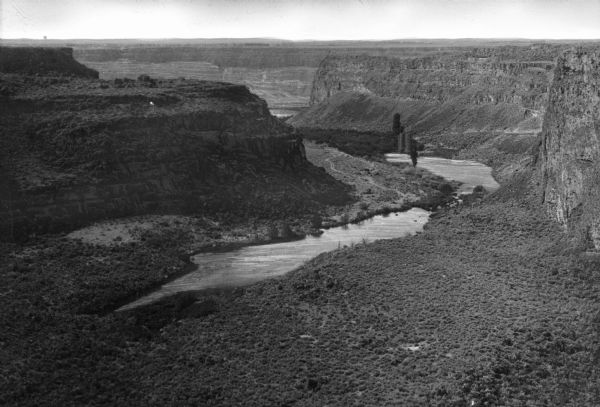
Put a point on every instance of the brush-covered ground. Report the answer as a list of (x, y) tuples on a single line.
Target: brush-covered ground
[(371, 188), (379, 187), (490, 305), (372, 144)]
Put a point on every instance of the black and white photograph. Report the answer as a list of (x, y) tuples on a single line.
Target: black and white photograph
[(300, 203)]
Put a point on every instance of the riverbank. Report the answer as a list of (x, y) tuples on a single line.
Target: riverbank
[(113, 262), (376, 188), (380, 187), (109, 264), (490, 305), (487, 307)]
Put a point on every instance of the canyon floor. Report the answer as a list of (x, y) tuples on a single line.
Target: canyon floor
[(377, 188), (490, 305)]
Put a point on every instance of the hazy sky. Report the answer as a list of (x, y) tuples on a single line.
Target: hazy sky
[(300, 19)]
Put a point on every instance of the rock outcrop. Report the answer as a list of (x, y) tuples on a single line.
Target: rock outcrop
[(569, 155), (77, 150), (42, 61)]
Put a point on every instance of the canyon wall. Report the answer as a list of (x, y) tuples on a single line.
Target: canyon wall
[(437, 79), (308, 54), (569, 155), (474, 89), (77, 150), (282, 74), (43, 61)]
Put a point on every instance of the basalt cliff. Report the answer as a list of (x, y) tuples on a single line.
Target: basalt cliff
[(478, 103), (570, 146), (483, 89), (43, 61), (75, 150)]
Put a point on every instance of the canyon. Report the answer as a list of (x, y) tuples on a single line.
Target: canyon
[(493, 302), (476, 89), (510, 107), (75, 150), (479, 103)]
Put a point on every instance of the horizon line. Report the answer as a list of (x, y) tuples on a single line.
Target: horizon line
[(302, 40)]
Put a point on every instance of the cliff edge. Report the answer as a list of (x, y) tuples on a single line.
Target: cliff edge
[(473, 90), (78, 150), (570, 148), (42, 61)]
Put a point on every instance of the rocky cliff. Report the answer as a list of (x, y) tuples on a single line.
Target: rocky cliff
[(569, 156), (475, 89), (438, 79), (42, 61), (77, 150)]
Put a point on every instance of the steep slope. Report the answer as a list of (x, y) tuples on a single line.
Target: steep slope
[(38, 60), (570, 149), (475, 90), (480, 103), (77, 150)]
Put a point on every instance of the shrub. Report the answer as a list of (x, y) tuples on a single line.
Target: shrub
[(166, 238), (184, 300), (445, 188), (479, 191), (396, 126), (272, 232), (359, 143), (316, 221), (286, 231)]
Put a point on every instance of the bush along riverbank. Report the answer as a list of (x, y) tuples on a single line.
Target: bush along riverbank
[(373, 188), (489, 305)]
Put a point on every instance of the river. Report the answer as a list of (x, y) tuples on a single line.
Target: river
[(254, 263), (470, 173)]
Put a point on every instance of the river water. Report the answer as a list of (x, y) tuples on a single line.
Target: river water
[(470, 173), (253, 263)]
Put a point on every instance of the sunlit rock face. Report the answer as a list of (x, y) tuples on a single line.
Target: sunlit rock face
[(570, 149), (476, 89), (502, 75)]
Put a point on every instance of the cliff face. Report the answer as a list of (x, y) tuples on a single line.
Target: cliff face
[(77, 150), (30, 60), (477, 89), (570, 150), (436, 79)]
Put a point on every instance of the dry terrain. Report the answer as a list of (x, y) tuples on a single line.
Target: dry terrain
[(490, 305), (376, 187)]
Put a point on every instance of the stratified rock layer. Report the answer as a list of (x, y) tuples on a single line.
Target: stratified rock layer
[(77, 150), (570, 149), (38, 60), (474, 90)]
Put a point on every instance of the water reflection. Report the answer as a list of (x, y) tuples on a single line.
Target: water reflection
[(254, 263), (470, 173)]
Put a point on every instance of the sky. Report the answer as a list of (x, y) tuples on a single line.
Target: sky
[(300, 19)]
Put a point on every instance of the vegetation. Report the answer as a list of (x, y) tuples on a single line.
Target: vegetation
[(396, 126), (398, 132), (358, 143), (316, 221), (490, 305)]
